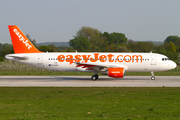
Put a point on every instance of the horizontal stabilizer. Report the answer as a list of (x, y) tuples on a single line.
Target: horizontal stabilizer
[(16, 58)]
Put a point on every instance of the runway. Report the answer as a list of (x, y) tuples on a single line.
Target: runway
[(85, 81)]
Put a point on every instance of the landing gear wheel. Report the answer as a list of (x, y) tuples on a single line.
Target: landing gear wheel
[(94, 77), (97, 76), (152, 78)]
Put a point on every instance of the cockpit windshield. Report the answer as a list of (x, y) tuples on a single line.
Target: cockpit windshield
[(165, 59)]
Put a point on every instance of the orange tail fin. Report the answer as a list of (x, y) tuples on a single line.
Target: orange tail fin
[(20, 42)]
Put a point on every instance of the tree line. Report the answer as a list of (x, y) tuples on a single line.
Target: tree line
[(92, 40), (89, 39)]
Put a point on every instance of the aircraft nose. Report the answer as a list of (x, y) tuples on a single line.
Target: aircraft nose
[(174, 65)]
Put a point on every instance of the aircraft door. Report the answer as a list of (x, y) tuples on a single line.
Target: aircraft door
[(153, 60), (40, 59)]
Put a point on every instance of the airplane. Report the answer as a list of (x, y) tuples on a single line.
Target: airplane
[(112, 64)]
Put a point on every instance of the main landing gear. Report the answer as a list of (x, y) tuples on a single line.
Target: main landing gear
[(94, 77), (152, 77)]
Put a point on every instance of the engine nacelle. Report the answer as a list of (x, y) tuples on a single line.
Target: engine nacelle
[(115, 72)]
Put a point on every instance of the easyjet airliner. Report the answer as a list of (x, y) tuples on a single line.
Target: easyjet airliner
[(111, 64)]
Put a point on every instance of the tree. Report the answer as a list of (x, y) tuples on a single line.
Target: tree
[(175, 40), (169, 50), (170, 47), (121, 49), (160, 49), (62, 48), (1, 46), (116, 38), (1, 59), (98, 42), (120, 38), (140, 46), (52, 47), (33, 41), (44, 48), (80, 43), (91, 34), (130, 45), (7, 49)]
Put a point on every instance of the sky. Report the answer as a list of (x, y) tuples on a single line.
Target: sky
[(59, 20)]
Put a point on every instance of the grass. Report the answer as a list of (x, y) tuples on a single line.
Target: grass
[(29, 103), (14, 68)]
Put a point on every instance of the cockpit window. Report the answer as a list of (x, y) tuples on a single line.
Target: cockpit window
[(165, 59)]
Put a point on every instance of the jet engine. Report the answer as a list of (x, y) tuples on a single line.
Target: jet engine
[(114, 72)]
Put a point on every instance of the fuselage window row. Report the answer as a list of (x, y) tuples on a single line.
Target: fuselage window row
[(163, 59)]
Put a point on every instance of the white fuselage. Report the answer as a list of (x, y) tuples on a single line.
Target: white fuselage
[(61, 61)]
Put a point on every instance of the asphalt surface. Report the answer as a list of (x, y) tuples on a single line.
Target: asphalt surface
[(85, 81)]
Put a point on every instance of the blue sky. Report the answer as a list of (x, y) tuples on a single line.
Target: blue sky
[(59, 20)]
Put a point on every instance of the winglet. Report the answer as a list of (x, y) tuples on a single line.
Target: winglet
[(21, 43)]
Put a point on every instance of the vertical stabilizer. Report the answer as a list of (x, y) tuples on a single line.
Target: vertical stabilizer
[(21, 43)]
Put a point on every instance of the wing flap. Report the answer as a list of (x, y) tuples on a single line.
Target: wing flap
[(100, 66)]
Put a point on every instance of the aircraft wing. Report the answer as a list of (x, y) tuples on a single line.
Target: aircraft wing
[(99, 66)]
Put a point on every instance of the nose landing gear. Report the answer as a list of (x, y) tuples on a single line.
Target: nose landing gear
[(94, 77), (152, 76)]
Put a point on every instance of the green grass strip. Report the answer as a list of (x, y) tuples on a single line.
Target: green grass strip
[(35, 103), (14, 68)]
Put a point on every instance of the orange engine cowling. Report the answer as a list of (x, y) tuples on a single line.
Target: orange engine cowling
[(116, 72)]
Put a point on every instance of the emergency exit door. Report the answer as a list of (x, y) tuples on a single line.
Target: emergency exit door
[(153, 60), (40, 59)]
